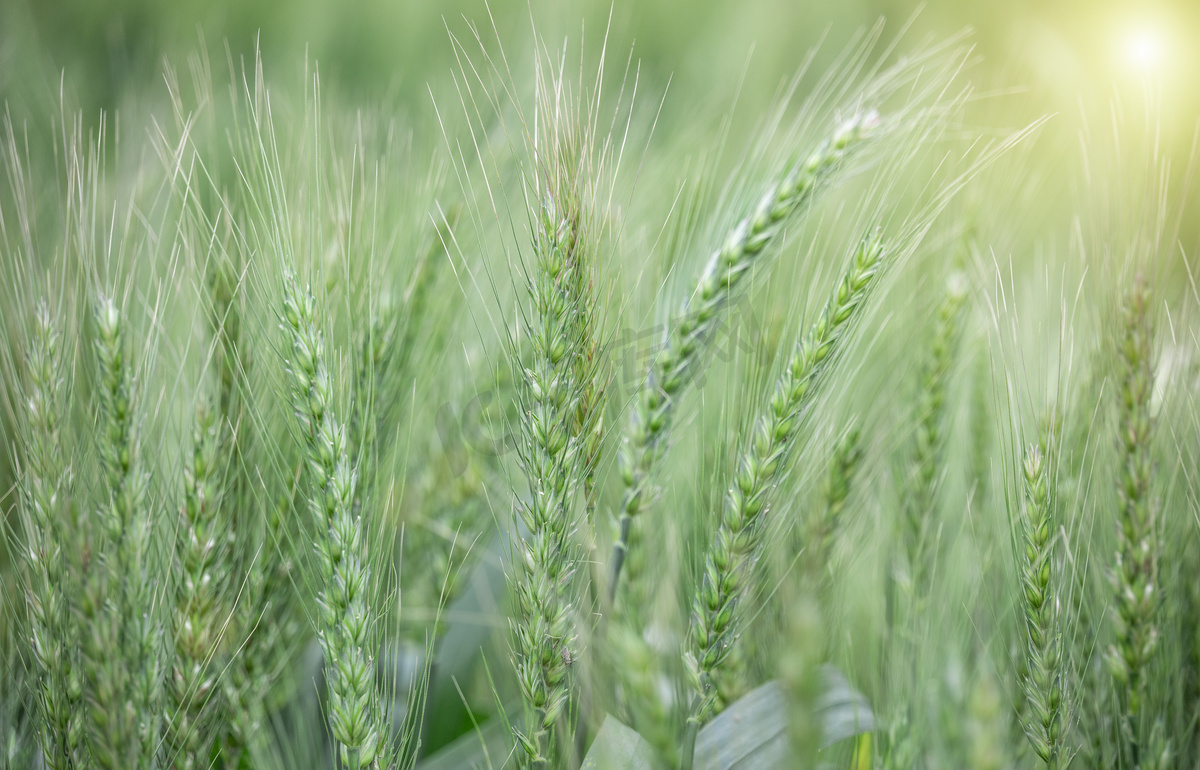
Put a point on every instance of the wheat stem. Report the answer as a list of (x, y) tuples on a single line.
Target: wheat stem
[(800, 675)]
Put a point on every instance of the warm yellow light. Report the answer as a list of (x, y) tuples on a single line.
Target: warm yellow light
[(1144, 49)]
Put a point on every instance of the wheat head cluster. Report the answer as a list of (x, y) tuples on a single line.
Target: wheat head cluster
[(552, 430)]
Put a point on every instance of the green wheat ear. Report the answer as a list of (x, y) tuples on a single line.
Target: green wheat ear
[(716, 614), (43, 488), (344, 621), (929, 443), (552, 456), (674, 367), (800, 675), (824, 526), (122, 654), (1134, 573), (1043, 718), (202, 563)]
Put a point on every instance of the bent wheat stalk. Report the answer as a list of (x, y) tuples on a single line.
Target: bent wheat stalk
[(716, 615), (674, 367)]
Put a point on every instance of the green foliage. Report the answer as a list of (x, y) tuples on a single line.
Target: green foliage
[(316, 417)]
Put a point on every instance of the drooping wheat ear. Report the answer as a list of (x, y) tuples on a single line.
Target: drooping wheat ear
[(1043, 647), (930, 439), (554, 465), (344, 622), (1135, 571), (124, 656), (44, 483), (737, 540), (836, 488), (202, 573), (674, 367)]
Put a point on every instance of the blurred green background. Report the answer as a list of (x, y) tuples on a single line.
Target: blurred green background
[(1062, 50), (1076, 60)]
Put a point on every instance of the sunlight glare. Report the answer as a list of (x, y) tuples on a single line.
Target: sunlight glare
[(1144, 49)]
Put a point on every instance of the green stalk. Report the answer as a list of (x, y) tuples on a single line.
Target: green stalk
[(800, 675), (674, 367)]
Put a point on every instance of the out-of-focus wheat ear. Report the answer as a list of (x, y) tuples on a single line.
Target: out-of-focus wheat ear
[(123, 657), (44, 485), (824, 525), (230, 354), (1134, 574), (385, 353), (673, 368), (929, 441), (202, 571), (345, 626), (800, 675), (737, 541), (1045, 670)]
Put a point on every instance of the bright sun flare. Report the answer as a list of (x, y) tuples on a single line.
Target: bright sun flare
[(1144, 48)]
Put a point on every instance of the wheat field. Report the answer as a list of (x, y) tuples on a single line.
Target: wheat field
[(557, 424)]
